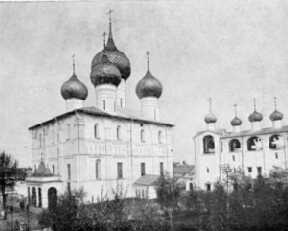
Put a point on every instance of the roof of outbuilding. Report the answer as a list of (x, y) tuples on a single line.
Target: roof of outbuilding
[(147, 180), (94, 111)]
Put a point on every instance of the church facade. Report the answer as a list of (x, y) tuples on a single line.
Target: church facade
[(102, 149), (255, 151)]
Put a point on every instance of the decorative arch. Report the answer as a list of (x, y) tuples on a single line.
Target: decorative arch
[(208, 144), (275, 141), (254, 143), (234, 145), (52, 198)]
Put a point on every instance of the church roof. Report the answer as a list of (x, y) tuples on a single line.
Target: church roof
[(94, 111), (147, 180), (262, 131)]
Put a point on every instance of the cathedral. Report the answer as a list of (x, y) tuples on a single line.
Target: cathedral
[(254, 152), (101, 148)]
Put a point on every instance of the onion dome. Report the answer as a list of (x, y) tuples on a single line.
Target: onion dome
[(276, 115), (105, 73), (236, 121), (73, 88), (116, 57), (255, 116), (210, 118), (149, 86)]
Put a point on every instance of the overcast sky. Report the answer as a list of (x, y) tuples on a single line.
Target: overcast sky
[(231, 51)]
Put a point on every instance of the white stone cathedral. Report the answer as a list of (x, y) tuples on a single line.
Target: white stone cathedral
[(255, 151), (100, 148)]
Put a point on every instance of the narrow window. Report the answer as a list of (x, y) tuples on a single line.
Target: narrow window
[(34, 197), (143, 170), (29, 196), (69, 171), (119, 170), (53, 169), (98, 169), (104, 105), (96, 131), (118, 132), (40, 140), (142, 135), (68, 132), (208, 187), (207, 170), (233, 157), (159, 137), (249, 169), (191, 186), (161, 169), (69, 187), (39, 198), (121, 102), (276, 155), (259, 171)]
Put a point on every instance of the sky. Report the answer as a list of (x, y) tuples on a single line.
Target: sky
[(231, 51)]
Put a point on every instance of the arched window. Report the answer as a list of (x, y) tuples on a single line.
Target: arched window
[(254, 143), (208, 144), (160, 138), (96, 131), (118, 132), (104, 105), (234, 145), (142, 135), (98, 169), (275, 141)]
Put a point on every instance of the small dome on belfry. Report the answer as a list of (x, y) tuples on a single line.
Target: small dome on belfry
[(73, 88), (255, 116), (236, 121), (149, 86), (116, 57), (210, 118), (276, 115)]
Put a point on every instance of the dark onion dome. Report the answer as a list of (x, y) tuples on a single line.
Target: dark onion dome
[(149, 86), (116, 57), (255, 117), (276, 115), (210, 118), (105, 73), (73, 88), (236, 121)]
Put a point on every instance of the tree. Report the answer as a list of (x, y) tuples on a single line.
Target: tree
[(9, 175), (168, 193)]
